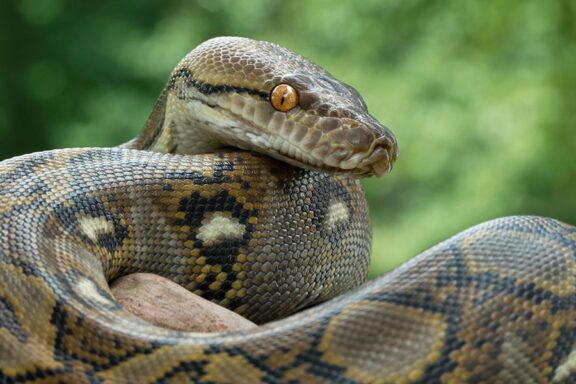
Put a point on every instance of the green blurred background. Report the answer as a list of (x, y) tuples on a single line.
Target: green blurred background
[(481, 95)]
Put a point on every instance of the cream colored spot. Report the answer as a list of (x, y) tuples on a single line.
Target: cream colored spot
[(95, 226), (337, 213), (88, 290), (218, 226), (565, 369)]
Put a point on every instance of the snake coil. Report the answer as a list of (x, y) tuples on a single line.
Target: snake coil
[(267, 229)]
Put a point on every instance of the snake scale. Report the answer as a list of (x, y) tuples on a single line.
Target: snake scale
[(243, 188)]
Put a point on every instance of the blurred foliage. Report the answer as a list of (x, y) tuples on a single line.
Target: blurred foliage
[(481, 96)]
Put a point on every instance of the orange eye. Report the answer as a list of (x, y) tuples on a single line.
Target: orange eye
[(284, 97)]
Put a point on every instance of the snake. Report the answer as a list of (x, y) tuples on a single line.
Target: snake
[(244, 188)]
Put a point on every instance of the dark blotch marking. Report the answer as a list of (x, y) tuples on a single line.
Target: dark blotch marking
[(218, 170), (91, 206), (225, 252), (25, 169), (563, 347), (9, 320), (196, 369)]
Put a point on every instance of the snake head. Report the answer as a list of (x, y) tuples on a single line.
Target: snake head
[(258, 96)]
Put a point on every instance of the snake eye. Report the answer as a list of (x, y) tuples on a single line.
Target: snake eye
[(284, 97)]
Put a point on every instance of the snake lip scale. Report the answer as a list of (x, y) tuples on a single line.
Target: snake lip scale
[(243, 188)]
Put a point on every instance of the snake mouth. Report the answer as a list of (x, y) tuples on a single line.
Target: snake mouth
[(377, 160), (366, 150)]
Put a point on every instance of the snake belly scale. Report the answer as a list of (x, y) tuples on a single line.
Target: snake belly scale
[(270, 228)]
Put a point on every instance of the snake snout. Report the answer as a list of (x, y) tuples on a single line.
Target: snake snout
[(383, 156), (379, 162), (370, 149)]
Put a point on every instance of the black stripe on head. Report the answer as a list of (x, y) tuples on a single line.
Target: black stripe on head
[(208, 89)]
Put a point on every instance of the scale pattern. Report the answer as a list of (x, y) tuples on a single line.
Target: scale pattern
[(493, 304)]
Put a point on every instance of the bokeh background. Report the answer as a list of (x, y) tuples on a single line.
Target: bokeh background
[(481, 96)]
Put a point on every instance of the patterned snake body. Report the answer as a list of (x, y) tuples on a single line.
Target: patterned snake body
[(496, 303)]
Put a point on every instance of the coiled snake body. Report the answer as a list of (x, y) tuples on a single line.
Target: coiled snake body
[(496, 303)]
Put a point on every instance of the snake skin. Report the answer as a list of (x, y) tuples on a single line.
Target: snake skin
[(493, 304)]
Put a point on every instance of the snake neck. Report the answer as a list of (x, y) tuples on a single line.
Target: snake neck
[(178, 126)]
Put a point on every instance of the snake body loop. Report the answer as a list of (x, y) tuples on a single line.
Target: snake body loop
[(266, 233)]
